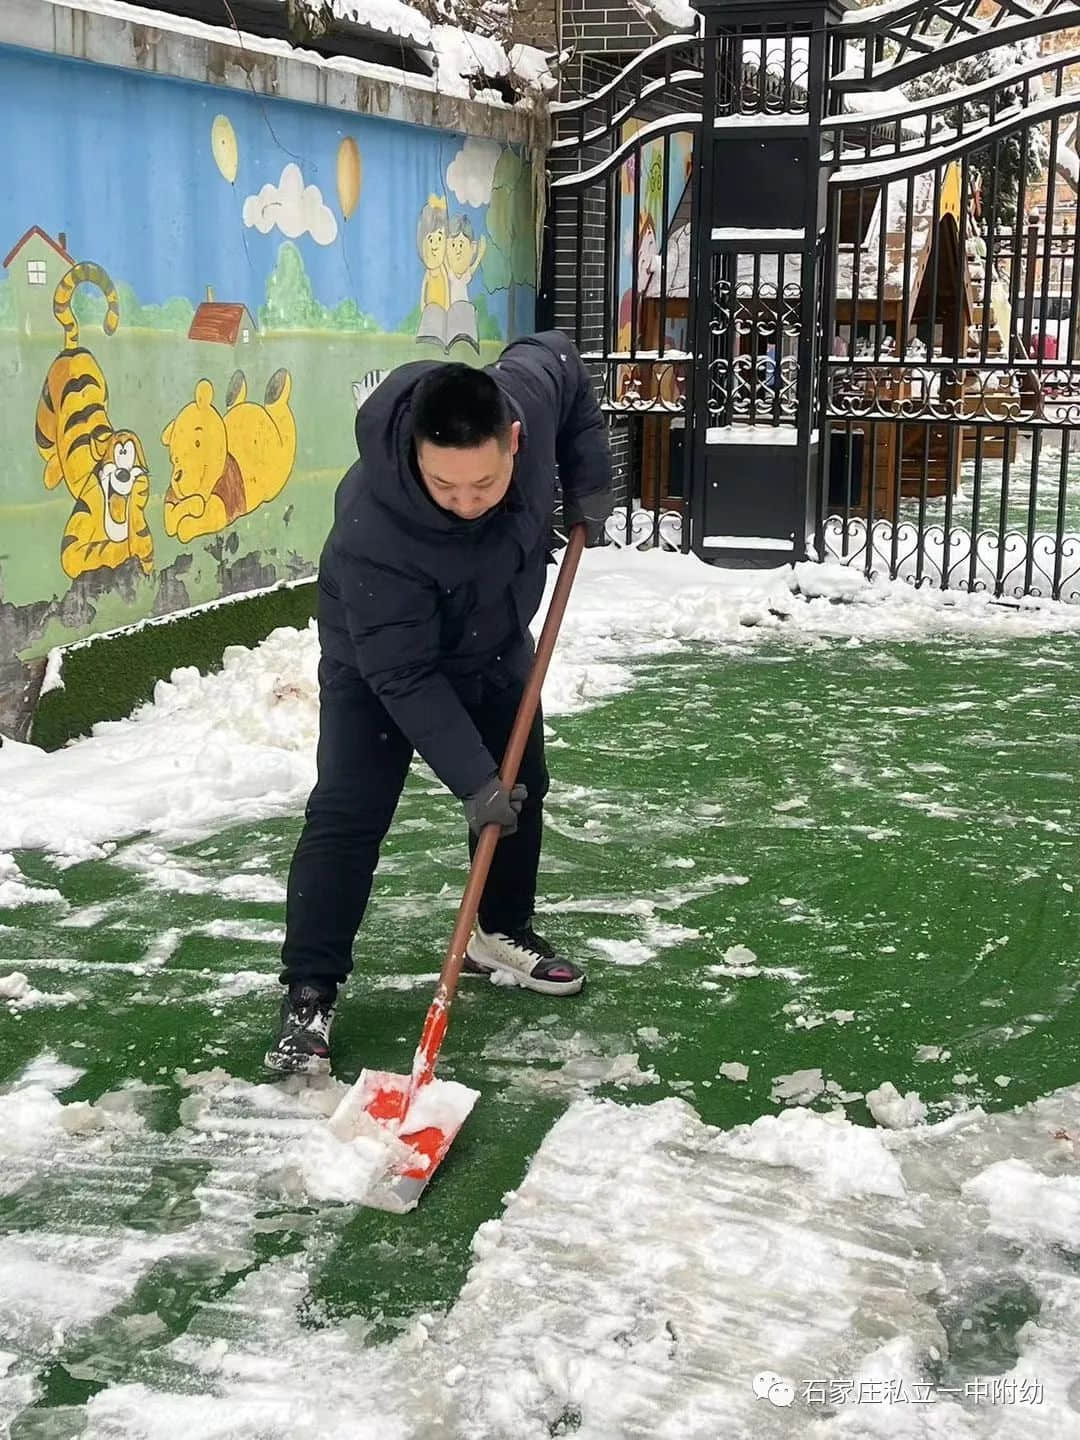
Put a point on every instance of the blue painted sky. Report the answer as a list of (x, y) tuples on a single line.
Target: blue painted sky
[(122, 163)]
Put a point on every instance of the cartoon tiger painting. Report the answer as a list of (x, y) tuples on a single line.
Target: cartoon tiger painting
[(104, 468)]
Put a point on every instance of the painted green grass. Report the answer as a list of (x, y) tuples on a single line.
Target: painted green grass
[(897, 823), (151, 376)]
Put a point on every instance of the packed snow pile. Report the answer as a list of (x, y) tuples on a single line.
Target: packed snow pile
[(239, 745), (17, 994), (893, 1110), (831, 1258), (34, 1121), (16, 890)]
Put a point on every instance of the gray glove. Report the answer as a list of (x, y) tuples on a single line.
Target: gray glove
[(494, 804), (592, 511)]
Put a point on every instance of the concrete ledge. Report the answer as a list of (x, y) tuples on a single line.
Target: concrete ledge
[(109, 32)]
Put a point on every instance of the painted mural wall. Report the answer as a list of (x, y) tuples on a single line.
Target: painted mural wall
[(198, 288), (642, 178)]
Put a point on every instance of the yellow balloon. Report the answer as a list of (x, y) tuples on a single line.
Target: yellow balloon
[(223, 146), (350, 174)]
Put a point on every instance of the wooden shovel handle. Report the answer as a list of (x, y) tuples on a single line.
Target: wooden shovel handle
[(515, 750), (438, 1014)]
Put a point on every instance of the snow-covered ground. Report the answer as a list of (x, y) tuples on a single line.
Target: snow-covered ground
[(239, 744), (651, 1276)]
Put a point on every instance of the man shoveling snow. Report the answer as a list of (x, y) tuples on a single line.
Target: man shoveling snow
[(432, 572)]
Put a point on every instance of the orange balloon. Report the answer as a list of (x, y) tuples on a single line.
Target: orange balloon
[(350, 174)]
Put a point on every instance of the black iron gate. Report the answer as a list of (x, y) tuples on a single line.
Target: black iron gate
[(827, 327), (951, 394), (618, 271)]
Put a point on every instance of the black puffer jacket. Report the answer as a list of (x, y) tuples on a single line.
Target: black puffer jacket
[(421, 601)]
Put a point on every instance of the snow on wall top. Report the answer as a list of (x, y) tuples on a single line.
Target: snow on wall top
[(674, 14), (461, 59), (388, 17)]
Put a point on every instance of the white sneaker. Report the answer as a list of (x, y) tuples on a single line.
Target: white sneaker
[(524, 956)]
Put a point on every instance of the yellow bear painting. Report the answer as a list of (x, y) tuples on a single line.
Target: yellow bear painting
[(224, 466)]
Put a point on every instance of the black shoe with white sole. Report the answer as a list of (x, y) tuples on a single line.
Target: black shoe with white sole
[(524, 956), (303, 1043)]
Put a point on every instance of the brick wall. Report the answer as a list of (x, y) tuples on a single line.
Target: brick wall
[(536, 22), (605, 27)]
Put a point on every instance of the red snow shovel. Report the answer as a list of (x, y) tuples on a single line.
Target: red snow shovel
[(403, 1104)]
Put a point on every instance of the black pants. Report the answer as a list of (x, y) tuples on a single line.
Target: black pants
[(363, 759)]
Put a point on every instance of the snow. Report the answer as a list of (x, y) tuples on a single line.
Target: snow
[(324, 1167), (1023, 1204), (869, 15), (238, 745), (884, 162), (385, 17), (840, 1158), (53, 678), (532, 68), (762, 120), (16, 890), (667, 124), (30, 1117), (645, 57), (734, 1070), (871, 102), (749, 542), (644, 1273), (463, 55), (49, 1072), (624, 952), (440, 1105), (752, 435), (18, 994), (678, 14), (33, 1121), (721, 232), (553, 1060), (801, 1087), (894, 1110)]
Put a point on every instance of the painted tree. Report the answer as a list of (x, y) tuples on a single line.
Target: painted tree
[(349, 316), (487, 327), (510, 257), (290, 301)]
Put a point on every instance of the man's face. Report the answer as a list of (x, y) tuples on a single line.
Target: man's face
[(470, 482)]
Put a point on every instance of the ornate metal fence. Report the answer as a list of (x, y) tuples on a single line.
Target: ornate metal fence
[(618, 246), (826, 324), (951, 386)]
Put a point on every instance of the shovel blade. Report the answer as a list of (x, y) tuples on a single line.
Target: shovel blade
[(382, 1096)]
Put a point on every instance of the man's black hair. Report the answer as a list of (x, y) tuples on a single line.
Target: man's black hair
[(458, 406)]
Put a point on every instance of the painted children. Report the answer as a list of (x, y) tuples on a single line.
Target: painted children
[(463, 257), (431, 236)]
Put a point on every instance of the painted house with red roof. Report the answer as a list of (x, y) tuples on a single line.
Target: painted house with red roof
[(36, 264), (222, 322)]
